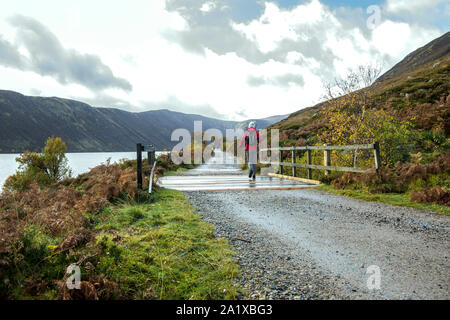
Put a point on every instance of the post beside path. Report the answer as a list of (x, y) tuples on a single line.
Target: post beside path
[(151, 160)]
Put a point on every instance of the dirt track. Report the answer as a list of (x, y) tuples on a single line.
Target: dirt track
[(306, 244)]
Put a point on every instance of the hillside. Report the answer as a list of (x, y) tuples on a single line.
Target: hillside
[(432, 51), (415, 89), (407, 110), (26, 122)]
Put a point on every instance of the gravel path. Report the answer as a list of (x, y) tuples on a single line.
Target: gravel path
[(307, 244)]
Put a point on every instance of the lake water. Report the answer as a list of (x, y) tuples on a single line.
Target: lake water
[(78, 162)]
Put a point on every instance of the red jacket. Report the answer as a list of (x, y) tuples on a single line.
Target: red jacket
[(245, 137)]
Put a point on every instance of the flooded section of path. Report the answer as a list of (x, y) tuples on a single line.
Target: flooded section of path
[(222, 173)]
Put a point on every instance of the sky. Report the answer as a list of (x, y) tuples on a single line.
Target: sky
[(227, 59)]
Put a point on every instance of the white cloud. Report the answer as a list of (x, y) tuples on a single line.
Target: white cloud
[(399, 39), (396, 6), (208, 6), (275, 24), (349, 46), (307, 40)]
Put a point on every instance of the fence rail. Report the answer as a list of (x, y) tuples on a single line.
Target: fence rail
[(327, 158), (325, 147)]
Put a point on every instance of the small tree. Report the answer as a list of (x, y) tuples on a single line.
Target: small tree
[(352, 120), (349, 122), (54, 158), (45, 168), (350, 96)]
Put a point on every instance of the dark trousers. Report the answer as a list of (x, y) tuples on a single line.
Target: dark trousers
[(252, 173), (251, 164)]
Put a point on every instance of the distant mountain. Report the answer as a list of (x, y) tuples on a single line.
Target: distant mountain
[(433, 51), (26, 122), (261, 123)]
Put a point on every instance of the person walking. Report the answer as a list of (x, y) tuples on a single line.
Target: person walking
[(251, 138)]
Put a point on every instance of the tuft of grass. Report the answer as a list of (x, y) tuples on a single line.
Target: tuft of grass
[(35, 265), (175, 172), (164, 250), (396, 199)]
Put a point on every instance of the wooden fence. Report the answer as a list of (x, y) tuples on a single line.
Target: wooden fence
[(327, 158)]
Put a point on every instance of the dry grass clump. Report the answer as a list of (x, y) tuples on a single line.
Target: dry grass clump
[(108, 181), (86, 292), (435, 194), (75, 239), (403, 178), (383, 181), (412, 171), (57, 211), (98, 287), (428, 116), (60, 208)]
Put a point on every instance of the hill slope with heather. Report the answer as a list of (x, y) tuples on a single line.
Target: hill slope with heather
[(407, 110), (416, 89)]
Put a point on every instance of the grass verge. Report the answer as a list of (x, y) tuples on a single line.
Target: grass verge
[(164, 250), (395, 199), (160, 249)]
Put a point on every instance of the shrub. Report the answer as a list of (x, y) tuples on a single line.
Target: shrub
[(428, 182), (166, 163), (45, 168), (23, 179), (383, 181), (343, 181), (54, 159), (435, 194), (408, 172)]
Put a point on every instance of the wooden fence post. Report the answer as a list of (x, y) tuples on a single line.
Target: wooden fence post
[(281, 160), (327, 160), (139, 149), (376, 155), (293, 163), (308, 155), (151, 155), (355, 158)]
